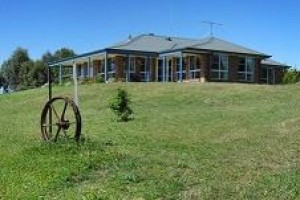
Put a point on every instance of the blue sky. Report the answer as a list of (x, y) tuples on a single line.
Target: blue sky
[(268, 26)]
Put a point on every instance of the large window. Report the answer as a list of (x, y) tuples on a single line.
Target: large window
[(246, 69), (146, 69), (194, 67), (79, 71), (160, 70), (267, 75), (111, 68), (219, 67), (178, 71), (130, 68)]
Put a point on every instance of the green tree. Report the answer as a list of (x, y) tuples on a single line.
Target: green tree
[(12, 68), (63, 53), (59, 54), (290, 76), (2, 79), (120, 106)]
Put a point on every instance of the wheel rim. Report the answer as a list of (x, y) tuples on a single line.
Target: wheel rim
[(65, 123)]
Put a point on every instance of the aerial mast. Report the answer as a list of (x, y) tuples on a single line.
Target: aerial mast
[(211, 26)]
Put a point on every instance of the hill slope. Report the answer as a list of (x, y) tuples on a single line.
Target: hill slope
[(188, 141)]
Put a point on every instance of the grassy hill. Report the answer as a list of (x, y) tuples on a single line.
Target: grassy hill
[(188, 141)]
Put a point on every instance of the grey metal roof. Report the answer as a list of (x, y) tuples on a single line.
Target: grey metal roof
[(217, 44), (154, 43), (271, 62)]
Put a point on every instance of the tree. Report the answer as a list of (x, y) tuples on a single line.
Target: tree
[(59, 54), (120, 105), (2, 80), (39, 73), (20, 72), (63, 53), (290, 76), (12, 68)]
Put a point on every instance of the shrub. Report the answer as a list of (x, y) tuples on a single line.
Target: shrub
[(86, 80), (120, 105), (100, 79), (290, 76), (112, 80)]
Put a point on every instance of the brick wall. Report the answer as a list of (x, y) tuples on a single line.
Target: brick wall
[(119, 61), (233, 68), (97, 67), (279, 73), (137, 75), (257, 70), (205, 67)]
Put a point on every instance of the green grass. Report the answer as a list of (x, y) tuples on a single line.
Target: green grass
[(187, 141)]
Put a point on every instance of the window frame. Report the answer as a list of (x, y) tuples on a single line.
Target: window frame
[(220, 71), (196, 69), (247, 73), (146, 69), (130, 64)]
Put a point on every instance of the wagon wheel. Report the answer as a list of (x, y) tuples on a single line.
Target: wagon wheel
[(60, 119)]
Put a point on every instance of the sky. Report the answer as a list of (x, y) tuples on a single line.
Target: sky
[(271, 27)]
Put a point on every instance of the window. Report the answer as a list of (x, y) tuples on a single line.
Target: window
[(146, 69), (160, 70), (130, 68), (79, 71), (246, 69), (194, 67), (111, 68), (219, 67), (267, 75), (101, 69), (85, 71), (178, 71)]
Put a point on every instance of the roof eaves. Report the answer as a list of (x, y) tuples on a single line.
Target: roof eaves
[(54, 63), (219, 51)]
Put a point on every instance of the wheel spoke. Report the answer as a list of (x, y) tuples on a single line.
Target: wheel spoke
[(55, 113), (57, 133), (49, 125), (66, 120), (65, 133), (64, 111)]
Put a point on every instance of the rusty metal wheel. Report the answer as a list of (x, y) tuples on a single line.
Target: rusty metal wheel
[(60, 119)]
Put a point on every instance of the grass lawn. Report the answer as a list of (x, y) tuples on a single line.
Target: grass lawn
[(188, 141)]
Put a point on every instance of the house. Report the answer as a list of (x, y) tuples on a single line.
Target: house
[(153, 58)]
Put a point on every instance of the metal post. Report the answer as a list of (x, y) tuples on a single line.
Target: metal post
[(164, 69), (50, 97), (75, 84), (105, 67), (156, 74), (60, 75), (181, 67), (128, 68), (89, 67)]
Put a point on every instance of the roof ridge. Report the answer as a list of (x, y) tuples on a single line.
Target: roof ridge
[(130, 41), (203, 42), (175, 37)]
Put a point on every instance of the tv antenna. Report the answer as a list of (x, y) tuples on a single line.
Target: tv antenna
[(211, 26)]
